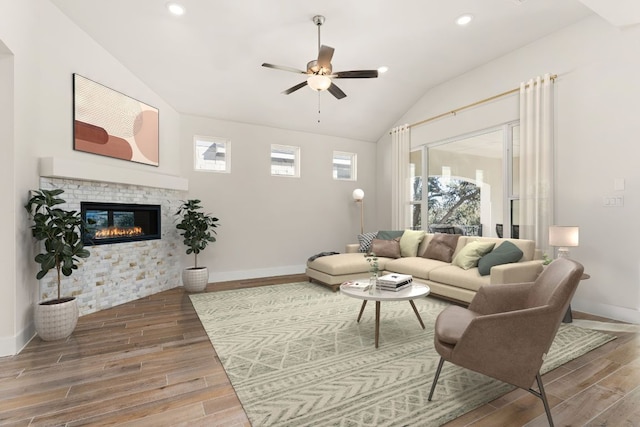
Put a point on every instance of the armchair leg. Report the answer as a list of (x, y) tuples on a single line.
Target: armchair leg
[(435, 379), (543, 396)]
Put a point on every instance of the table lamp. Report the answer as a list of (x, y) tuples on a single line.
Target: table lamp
[(563, 237), (358, 196)]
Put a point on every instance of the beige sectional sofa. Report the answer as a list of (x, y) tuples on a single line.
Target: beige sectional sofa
[(445, 279)]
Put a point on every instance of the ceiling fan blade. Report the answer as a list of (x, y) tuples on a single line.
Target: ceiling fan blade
[(284, 68), (324, 56), (356, 74), (336, 91), (295, 88)]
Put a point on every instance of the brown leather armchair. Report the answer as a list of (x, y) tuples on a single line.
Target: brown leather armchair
[(507, 329)]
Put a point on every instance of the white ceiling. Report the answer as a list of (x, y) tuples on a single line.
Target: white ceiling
[(208, 61)]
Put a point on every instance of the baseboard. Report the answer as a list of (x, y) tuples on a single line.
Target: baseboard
[(13, 345), (614, 312), (226, 276)]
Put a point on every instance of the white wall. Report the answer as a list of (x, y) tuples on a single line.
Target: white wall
[(597, 105), (271, 225), (7, 252), (47, 49)]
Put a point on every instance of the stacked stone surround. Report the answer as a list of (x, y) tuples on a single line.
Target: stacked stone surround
[(119, 272)]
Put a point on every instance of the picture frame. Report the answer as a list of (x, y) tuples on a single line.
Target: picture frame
[(109, 123)]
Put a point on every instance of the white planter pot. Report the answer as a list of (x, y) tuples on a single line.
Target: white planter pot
[(195, 279), (56, 321)]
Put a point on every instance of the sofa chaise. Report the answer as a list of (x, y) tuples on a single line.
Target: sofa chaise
[(439, 260)]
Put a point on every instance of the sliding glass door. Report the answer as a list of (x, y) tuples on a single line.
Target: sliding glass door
[(469, 183)]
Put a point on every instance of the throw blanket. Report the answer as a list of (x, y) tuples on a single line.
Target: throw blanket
[(311, 258)]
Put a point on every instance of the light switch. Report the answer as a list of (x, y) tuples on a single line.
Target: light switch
[(616, 201), (618, 184)]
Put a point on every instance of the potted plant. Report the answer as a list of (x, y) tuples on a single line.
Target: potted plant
[(372, 259), (61, 231), (198, 230)]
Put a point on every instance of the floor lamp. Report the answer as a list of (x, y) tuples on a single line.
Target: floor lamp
[(358, 196)]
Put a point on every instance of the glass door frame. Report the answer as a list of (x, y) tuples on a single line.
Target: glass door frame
[(510, 197)]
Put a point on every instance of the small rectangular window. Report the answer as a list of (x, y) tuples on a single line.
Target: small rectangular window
[(212, 154), (344, 166), (285, 160)]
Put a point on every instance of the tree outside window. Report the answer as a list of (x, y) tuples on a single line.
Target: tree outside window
[(453, 201)]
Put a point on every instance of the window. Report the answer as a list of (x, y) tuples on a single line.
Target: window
[(344, 166), (471, 183), (212, 154), (285, 160)]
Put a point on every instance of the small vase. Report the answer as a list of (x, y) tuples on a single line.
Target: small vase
[(373, 283)]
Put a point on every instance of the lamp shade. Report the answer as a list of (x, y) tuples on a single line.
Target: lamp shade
[(358, 195), (563, 236), (319, 82)]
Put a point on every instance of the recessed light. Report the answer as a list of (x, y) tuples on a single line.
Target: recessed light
[(175, 8), (463, 20), (383, 69)]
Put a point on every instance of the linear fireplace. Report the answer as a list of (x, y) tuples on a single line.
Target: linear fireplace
[(119, 222)]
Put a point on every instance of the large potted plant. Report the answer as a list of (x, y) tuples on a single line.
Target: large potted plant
[(61, 232), (197, 230)]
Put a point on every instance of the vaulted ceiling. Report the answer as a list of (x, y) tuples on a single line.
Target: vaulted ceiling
[(207, 62)]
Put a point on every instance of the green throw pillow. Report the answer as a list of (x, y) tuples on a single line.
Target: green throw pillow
[(505, 253), (471, 253), (389, 234), (410, 241)]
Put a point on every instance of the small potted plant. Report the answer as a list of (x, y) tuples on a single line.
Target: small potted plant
[(61, 232), (197, 230), (372, 259)]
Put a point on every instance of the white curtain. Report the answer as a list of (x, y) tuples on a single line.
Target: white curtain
[(400, 152), (536, 160)]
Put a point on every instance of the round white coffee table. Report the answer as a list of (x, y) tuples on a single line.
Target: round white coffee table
[(416, 290)]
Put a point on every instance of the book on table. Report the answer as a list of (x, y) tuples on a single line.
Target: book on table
[(395, 279), (395, 288), (357, 284), (395, 282)]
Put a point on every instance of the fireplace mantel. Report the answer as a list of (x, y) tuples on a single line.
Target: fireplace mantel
[(57, 167)]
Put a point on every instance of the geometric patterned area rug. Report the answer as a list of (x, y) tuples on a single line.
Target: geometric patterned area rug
[(296, 356)]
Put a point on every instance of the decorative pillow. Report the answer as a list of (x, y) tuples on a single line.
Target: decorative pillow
[(471, 253), (441, 247), (410, 241), (506, 253), (365, 241), (386, 248), (389, 234)]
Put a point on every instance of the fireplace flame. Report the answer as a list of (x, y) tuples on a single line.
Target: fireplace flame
[(111, 232)]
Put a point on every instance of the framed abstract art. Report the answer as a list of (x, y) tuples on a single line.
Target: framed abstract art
[(109, 123)]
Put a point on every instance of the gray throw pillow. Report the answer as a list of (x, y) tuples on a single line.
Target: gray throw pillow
[(389, 234), (365, 241), (506, 253)]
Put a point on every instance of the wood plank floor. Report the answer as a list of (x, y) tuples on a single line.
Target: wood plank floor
[(149, 362)]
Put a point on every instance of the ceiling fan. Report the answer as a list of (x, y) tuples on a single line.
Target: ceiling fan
[(320, 71)]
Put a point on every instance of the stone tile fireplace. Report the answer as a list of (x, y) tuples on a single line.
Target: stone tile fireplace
[(121, 270)]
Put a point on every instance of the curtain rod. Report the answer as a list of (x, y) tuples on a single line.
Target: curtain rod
[(482, 101)]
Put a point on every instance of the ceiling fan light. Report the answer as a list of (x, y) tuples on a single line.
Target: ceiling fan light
[(319, 82), (175, 8), (463, 20)]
